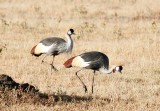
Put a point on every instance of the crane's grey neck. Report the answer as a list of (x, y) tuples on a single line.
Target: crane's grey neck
[(69, 43), (106, 71)]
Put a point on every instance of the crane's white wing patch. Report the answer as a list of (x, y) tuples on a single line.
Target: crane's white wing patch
[(40, 48), (79, 62)]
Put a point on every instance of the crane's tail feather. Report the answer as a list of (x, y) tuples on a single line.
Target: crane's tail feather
[(33, 49), (68, 63)]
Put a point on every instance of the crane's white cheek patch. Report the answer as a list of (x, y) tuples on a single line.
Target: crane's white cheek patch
[(117, 68), (79, 62), (69, 32), (40, 48)]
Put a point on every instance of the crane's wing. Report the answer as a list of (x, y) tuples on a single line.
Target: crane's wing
[(57, 45), (94, 64), (95, 60), (52, 41)]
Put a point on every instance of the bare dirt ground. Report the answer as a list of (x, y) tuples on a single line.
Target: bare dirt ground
[(128, 31)]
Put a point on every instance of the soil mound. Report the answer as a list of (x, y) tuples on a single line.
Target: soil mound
[(12, 92)]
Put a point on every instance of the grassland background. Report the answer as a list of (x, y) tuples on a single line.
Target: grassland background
[(128, 31)]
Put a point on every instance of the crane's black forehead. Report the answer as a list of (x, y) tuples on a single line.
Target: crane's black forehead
[(72, 30), (120, 67)]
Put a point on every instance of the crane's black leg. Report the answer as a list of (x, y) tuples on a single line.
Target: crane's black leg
[(52, 66), (84, 86), (93, 80), (43, 59)]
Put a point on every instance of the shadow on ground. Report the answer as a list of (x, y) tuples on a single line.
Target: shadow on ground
[(12, 92)]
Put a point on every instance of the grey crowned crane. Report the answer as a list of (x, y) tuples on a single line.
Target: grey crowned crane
[(53, 46), (94, 60)]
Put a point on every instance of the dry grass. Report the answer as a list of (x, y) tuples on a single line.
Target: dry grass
[(128, 31)]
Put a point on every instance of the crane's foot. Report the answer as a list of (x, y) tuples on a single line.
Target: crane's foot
[(52, 67), (42, 61), (85, 88)]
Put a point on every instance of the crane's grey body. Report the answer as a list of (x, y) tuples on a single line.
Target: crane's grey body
[(96, 60)]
